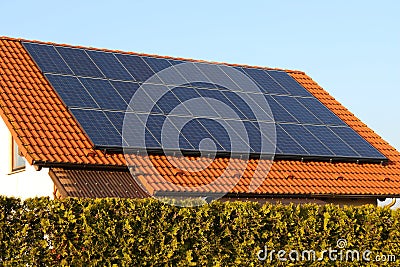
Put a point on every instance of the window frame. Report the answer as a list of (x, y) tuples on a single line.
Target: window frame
[(17, 160)]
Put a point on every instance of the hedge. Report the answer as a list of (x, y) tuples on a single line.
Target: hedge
[(129, 232)]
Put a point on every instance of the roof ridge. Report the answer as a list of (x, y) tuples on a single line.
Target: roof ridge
[(148, 55)]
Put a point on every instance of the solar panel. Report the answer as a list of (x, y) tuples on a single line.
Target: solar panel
[(286, 144), (287, 82), (332, 141), (150, 103), (320, 111), (174, 125), (79, 62), (109, 65), (356, 142), (126, 90), (104, 94), (199, 106), (136, 66), (71, 91), (279, 112), (264, 81), (98, 127), (297, 110), (157, 64), (308, 141), (48, 59)]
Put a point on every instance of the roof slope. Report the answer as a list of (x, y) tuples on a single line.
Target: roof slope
[(48, 135)]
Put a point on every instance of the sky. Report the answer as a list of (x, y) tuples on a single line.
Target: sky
[(350, 48)]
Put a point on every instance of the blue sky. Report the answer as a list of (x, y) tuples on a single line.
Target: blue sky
[(351, 48)]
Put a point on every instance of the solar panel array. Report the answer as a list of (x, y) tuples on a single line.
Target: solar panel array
[(97, 87)]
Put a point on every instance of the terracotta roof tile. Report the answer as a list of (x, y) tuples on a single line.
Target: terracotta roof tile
[(48, 134)]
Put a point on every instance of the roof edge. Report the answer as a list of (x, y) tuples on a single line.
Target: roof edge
[(148, 55)]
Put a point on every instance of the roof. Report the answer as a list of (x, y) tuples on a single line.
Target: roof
[(49, 136), (92, 183)]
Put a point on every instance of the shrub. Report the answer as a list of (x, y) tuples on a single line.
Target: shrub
[(133, 232)]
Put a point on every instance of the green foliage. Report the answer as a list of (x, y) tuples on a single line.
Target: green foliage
[(129, 232)]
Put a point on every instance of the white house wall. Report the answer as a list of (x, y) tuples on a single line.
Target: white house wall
[(24, 183)]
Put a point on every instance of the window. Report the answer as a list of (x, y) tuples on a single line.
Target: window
[(18, 162)]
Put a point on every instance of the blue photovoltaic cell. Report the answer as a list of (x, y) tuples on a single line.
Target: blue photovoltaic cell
[(218, 133), (157, 64), (193, 75), (131, 128), (152, 137), (166, 73), (47, 58), (280, 114), (286, 144), (178, 141), (297, 110), (320, 111), (212, 101), (196, 130), (204, 85), (264, 81), (237, 103), (79, 62), (222, 111), (287, 82), (194, 103), (98, 127), (116, 118), (164, 134), (332, 141), (217, 76), (358, 143), (162, 100), (104, 94), (136, 66), (154, 124), (168, 102), (176, 62), (260, 141), (71, 91), (185, 93), (125, 89), (307, 140), (109, 65)]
